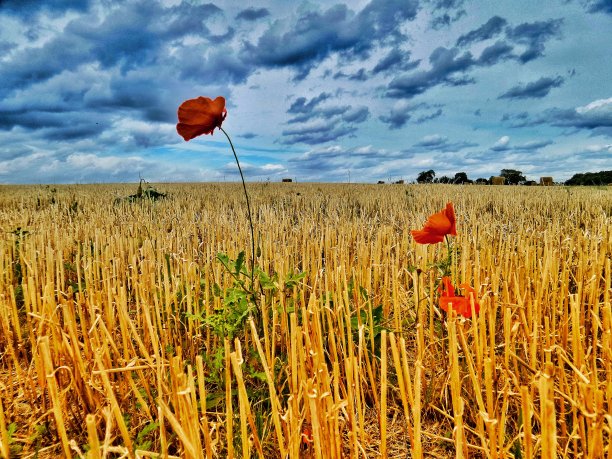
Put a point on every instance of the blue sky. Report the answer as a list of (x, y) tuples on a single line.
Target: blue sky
[(316, 90)]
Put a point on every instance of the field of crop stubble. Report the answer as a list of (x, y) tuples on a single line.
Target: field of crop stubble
[(119, 338)]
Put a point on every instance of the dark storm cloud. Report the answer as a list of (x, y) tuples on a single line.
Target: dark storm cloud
[(6, 46), (395, 60), (115, 63), (520, 119), (303, 105), (531, 146), (498, 51), (135, 94), (401, 113), (322, 113), (534, 36), (449, 65), (489, 29), (600, 6), (316, 134), (595, 117), (78, 129), (29, 66), (428, 117), (51, 124), (444, 63), (356, 115), (439, 143), (129, 37), (315, 35), (445, 12), (360, 75), (253, 14), (396, 119), (592, 119), (202, 64), (320, 124), (534, 90), (28, 7), (14, 152), (126, 37)]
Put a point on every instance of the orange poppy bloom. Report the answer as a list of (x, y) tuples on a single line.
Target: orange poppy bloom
[(200, 116), (437, 227), (460, 304)]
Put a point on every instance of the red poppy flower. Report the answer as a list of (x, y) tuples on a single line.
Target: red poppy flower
[(437, 227), (200, 116), (460, 304)]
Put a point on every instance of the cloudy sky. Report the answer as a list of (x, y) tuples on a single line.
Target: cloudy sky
[(316, 90)]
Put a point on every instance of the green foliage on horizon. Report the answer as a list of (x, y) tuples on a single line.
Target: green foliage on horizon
[(591, 178)]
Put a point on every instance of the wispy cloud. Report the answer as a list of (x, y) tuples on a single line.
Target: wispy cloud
[(534, 90)]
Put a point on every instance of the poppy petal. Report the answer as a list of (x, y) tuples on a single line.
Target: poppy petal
[(446, 287), (459, 304), (437, 226), (426, 237), (438, 223), (188, 132), (450, 214), (200, 116)]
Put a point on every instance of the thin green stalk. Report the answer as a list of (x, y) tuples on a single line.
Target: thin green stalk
[(451, 251), (247, 203)]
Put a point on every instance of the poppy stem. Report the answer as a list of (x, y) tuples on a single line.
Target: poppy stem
[(247, 203), (450, 262)]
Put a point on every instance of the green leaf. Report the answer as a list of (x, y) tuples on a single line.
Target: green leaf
[(189, 315), (150, 427), (225, 261), (260, 375), (239, 263), (212, 400), (265, 281), (294, 278), (233, 296), (377, 314)]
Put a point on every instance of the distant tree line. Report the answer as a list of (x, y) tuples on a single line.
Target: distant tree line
[(514, 177), (591, 178), (511, 176)]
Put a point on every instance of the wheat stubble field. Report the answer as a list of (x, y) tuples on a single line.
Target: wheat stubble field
[(123, 335)]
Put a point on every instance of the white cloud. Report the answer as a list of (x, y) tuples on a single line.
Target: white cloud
[(598, 148), (501, 144), (598, 107)]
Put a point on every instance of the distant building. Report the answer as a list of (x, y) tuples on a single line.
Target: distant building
[(287, 180)]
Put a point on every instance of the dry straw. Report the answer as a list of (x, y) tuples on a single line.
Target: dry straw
[(107, 348)]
